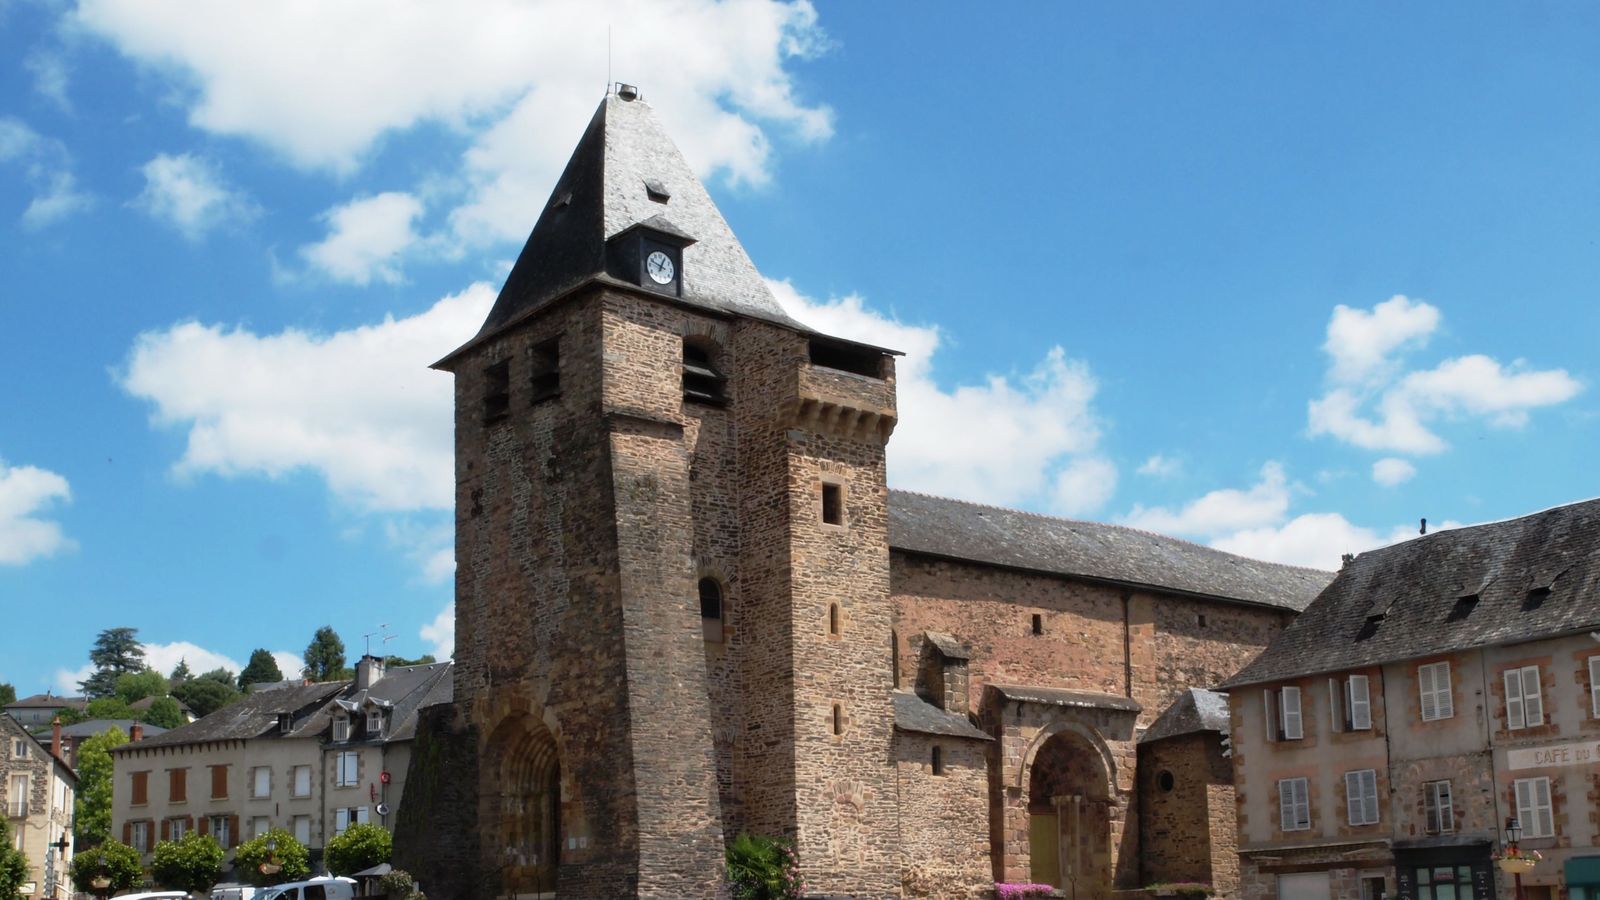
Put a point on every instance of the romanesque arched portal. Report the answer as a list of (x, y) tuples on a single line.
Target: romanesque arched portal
[(1069, 817), (521, 805)]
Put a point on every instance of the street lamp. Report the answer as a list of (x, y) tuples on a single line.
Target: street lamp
[(273, 865), (1513, 860)]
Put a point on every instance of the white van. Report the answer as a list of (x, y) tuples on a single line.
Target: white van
[(154, 895), (231, 891), (325, 888)]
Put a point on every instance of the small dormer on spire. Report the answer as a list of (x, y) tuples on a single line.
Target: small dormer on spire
[(650, 254)]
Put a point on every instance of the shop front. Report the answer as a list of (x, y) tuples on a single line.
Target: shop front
[(1431, 870)]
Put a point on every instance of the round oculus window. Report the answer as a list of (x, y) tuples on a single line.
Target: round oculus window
[(1165, 781)]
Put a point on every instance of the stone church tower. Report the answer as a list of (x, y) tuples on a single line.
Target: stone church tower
[(673, 620)]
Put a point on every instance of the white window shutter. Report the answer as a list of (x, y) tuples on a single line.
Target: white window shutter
[(1286, 805), (1594, 686), (1290, 697), (1360, 702), (1370, 797), (361, 815), (1425, 689), (341, 820), (1514, 714), (1547, 825), (1352, 797), (1532, 698), (1447, 703)]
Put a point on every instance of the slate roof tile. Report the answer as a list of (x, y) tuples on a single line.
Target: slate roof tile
[(912, 713)]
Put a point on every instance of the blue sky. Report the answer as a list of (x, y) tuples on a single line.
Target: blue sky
[(1278, 279)]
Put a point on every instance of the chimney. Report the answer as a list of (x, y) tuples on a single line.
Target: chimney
[(369, 671), (135, 732), (55, 739)]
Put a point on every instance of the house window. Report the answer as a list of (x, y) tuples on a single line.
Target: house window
[(832, 503), (285, 723), (1294, 804), (1533, 807), (177, 785), (544, 370), (702, 383), (1351, 703), (302, 829), (1290, 723), (341, 729), (259, 826), (711, 610), (302, 781), (375, 723), (497, 390), (221, 831), (260, 782), (177, 828), (17, 804), (1594, 686), (1038, 624), (1433, 683), (345, 773), (1361, 796), (19, 748), (1524, 703), (139, 836), (344, 818), (1437, 807), (139, 794), (937, 760), (219, 782)]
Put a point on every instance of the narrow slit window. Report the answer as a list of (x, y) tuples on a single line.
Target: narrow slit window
[(544, 370), (937, 760), (702, 383), (497, 390), (833, 618), (894, 658), (711, 609), (838, 719), (832, 503), (1038, 624)]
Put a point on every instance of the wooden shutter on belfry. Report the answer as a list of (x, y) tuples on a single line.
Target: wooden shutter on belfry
[(233, 832)]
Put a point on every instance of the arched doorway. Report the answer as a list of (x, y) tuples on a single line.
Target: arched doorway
[(1069, 818), (521, 799)]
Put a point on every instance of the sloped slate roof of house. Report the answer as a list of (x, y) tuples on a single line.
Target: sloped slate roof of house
[(91, 727), (48, 701), (912, 713), (1194, 710), (1533, 577), (955, 529), (251, 716), (401, 691), (1064, 697)]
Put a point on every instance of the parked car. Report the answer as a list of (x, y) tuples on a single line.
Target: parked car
[(324, 888)]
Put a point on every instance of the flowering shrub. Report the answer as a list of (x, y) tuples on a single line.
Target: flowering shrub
[(1018, 891), (763, 868)]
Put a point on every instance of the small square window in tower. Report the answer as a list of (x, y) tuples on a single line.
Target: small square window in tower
[(497, 391), (832, 503), (702, 383), (544, 370)]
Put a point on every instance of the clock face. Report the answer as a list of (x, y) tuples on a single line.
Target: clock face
[(659, 266)]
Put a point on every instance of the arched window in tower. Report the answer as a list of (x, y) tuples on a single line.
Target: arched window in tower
[(711, 609), (702, 383)]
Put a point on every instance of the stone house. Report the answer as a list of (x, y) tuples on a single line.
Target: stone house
[(1436, 689), (37, 790), (688, 606), (308, 758)]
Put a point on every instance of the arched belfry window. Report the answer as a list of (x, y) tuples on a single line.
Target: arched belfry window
[(702, 383), (711, 609)]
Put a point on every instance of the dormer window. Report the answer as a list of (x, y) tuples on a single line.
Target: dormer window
[(341, 729), (702, 383), (375, 722), (285, 723)]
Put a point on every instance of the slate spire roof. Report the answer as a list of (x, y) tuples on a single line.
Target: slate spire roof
[(1522, 579), (626, 171)]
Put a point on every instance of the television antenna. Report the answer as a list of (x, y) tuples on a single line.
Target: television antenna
[(386, 638)]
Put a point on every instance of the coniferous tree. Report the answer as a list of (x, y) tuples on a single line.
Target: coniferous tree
[(180, 672), (261, 668), (324, 656), (116, 652)]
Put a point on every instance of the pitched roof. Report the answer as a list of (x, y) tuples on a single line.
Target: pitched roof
[(1194, 710), (1533, 577), (48, 701), (622, 159), (1064, 697), (401, 692), (955, 529), (912, 713), (91, 727), (10, 724), (253, 715)]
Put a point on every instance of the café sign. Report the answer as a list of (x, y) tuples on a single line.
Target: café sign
[(1580, 753)]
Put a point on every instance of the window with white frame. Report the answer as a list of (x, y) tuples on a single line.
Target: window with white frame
[(344, 818), (1361, 796), (260, 825), (221, 831), (178, 828), (1357, 703), (1594, 686), (17, 802), (1289, 710), (374, 722), (139, 836), (1533, 807), (261, 782), (1524, 702), (1439, 813), (345, 770), (302, 829), (19, 748), (1294, 804), (341, 728), (1433, 683), (302, 781)]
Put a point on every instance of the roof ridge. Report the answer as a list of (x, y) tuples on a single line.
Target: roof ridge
[(1117, 525)]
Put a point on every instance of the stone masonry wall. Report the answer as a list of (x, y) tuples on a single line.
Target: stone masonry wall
[(1180, 818), (945, 847)]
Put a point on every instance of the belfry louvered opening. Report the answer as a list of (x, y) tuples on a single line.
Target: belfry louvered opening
[(702, 383)]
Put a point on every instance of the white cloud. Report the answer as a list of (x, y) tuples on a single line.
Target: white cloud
[(289, 664), (1007, 440), (1159, 466), (366, 239), (431, 547), (360, 408), (26, 494), (323, 86), (47, 167), (1317, 540), (189, 194), (49, 71), (1366, 369), (164, 658), (1223, 510), (1391, 472), (441, 633)]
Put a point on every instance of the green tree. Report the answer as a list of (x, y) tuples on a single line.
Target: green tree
[(193, 864), (8, 694), (71, 715), (13, 866), (291, 855), (113, 859), (180, 672), (136, 686), (261, 668), (207, 693), (92, 812), (108, 708), (425, 659), (361, 846), (324, 656), (165, 712), (116, 652)]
